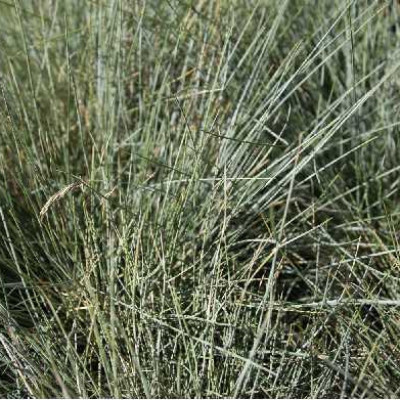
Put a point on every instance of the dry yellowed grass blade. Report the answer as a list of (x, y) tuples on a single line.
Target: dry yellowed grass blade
[(57, 196)]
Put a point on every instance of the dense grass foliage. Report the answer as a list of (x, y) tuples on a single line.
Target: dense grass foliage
[(199, 198)]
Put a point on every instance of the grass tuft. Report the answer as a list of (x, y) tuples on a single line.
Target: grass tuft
[(199, 199)]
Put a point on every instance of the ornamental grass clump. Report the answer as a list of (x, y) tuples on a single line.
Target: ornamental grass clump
[(199, 199)]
